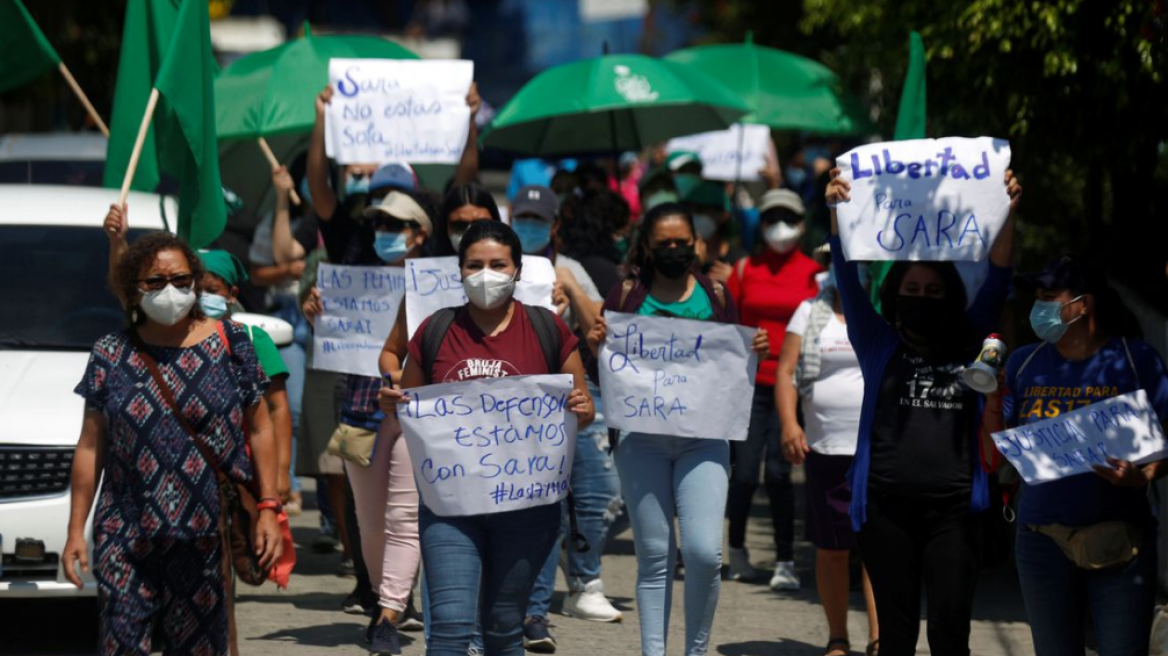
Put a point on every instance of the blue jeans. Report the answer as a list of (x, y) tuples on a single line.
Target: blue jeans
[(663, 476), (596, 489), (483, 561), (1059, 596)]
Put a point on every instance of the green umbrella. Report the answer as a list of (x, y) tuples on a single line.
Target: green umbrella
[(611, 104), (784, 91), (274, 91)]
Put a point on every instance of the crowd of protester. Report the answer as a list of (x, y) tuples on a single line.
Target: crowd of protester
[(901, 487)]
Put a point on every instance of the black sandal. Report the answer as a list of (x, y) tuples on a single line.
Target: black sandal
[(837, 643), (873, 648)]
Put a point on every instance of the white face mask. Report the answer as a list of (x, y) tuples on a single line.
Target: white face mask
[(783, 238), (169, 305), (488, 289)]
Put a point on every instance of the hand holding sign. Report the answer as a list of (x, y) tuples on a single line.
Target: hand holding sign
[(922, 199)]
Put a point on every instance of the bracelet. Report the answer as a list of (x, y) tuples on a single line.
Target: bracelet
[(269, 504)]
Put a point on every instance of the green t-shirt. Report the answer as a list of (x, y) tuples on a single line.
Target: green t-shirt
[(266, 352), (697, 306)]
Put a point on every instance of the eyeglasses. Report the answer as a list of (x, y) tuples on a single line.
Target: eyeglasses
[(392, 224), (158, 283)]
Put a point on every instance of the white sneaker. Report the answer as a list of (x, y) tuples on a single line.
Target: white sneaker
[(589, 603), (785, 578), (740, 567)]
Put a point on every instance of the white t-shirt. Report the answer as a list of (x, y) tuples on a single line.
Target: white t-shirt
[(832, 414)]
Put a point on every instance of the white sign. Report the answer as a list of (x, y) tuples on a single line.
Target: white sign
[(677, 376), (1124, 427), (722, 150), (398, 110), (360, 304), (924, 199), (433, 283), (611, 10), (491, 445)]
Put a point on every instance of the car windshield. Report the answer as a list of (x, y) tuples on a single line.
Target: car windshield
[(76, 173), (56, 295)]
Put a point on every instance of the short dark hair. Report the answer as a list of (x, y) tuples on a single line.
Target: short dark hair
[(495, 231), (141, 254), (639, 253)]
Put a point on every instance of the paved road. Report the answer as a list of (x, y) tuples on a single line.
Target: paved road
[(751, 620)]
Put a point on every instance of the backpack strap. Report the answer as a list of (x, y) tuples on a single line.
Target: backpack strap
[(433, 337), (626, 289), (720, 293), (1026, 362), (544, 324), (1132, 362)]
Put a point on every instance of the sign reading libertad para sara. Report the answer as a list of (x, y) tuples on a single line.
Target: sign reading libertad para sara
[(677, 376), (924, 199)]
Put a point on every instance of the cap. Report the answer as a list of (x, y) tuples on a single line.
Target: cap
[(680, 159), (1067, 272), (225, 265), (781, 198), (398, 176), (536, 200), (400, 206), (705, 193)]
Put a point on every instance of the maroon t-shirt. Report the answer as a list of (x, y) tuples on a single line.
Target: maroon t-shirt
[(467, 354)]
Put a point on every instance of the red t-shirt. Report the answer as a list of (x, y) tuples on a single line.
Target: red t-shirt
[(467, 354), (767, 289)]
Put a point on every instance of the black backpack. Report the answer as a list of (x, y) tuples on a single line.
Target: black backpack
[(544, 323), (541, 319)]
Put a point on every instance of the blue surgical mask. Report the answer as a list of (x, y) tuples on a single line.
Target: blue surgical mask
[(1046, 318), (355, 186), (534, 234), (796, 176), (391, 246), (214, 305)]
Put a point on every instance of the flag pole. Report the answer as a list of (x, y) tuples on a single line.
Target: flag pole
[(83, 98), (143, 129), (275, 164)]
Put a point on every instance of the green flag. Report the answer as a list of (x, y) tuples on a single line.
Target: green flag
[(910, 124), (25, 53), (166, 44)]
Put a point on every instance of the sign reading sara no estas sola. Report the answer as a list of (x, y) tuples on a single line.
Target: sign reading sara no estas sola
[(924, 199), (677, 376), (491, 445), (1124, 427), (393, 110)]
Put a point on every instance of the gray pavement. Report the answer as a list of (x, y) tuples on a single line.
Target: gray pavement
[(751, 620)]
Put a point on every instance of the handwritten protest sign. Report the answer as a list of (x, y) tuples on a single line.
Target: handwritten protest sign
[(924, 199), (433, 283), (1124, 427), (677, 377), (491, 445), (396, 110), (360, 305), (722, 150)]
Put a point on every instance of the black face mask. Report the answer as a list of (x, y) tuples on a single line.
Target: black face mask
[(673, 262), (923, 317)]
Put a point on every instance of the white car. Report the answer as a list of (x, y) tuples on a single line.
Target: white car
[(64, 158), (53, 262)]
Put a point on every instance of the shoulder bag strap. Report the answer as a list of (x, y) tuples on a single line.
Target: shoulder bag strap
[(1131, 361)]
